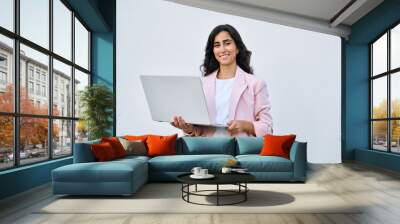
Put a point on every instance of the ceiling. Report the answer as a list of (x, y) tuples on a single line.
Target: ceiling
[(326, 16)]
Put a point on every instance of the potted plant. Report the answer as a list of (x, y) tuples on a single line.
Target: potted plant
[(96, 102)]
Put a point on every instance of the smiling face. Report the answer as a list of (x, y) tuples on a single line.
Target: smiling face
[(225, 49)]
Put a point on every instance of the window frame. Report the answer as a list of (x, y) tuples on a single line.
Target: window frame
[(15, 72), (388, 74)]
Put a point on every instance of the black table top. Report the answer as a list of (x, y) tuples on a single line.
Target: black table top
[(220, 178)]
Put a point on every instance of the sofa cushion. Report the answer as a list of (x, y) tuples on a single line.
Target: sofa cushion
[(185, 163), (111, 171), (249, 145), (133, 158), (206, 145), (257, 163)]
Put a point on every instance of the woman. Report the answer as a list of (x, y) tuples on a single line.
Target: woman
[(234, 96)]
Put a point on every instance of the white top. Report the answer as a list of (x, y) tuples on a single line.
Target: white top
[(223, 92)]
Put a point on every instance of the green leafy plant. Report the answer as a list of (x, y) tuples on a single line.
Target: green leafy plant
[(96, 102)]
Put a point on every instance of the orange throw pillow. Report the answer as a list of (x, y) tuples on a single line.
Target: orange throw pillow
[(277, 145), (116, 145), (136, 137), (161, 145), (103, 151)]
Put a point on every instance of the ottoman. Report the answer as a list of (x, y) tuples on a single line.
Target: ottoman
[(118, 177)]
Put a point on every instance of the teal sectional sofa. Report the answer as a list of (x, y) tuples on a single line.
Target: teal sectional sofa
[(125, 176)]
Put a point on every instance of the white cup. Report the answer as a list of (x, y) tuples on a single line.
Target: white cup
[(226, 170), (203, 172), (196, 170)]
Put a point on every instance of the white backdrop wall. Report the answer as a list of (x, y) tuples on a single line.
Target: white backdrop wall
[(302, 69)]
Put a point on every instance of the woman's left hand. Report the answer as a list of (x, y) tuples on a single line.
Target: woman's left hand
[(237, 126)]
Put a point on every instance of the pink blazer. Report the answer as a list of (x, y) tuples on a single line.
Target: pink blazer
[(249, 101)]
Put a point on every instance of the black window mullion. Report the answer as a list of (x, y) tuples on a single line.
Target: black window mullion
[(371, 98), (73, 82), (16, 84), (50, 87), (389, 101)]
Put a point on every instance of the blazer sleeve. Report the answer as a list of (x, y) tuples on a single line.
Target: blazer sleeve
[(262, 110)]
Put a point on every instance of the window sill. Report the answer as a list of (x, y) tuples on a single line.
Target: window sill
[(25, 167)]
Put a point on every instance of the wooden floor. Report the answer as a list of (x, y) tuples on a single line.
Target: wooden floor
[(377, 188)]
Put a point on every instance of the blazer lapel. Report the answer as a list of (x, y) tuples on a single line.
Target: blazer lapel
[(238, 88), (209, 92)]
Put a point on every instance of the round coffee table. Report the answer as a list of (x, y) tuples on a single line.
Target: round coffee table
[(238, 179)]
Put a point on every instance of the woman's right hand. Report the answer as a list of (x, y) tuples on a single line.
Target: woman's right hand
[(180, 123)]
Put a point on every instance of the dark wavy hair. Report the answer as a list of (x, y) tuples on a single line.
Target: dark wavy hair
[(242, 58)]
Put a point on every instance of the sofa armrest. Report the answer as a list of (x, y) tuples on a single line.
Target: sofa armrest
[(298, 155), (83, 152)]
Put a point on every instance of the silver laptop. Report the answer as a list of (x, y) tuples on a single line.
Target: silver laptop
[(169, 96)]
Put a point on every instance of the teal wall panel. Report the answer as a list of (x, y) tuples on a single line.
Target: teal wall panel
[(103, 63), (377, 158), (24, 178), (102, 59)]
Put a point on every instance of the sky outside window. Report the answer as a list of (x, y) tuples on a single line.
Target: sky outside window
[(379, 55), (62, 29), (35, 21), (7, 13), (395, 47)]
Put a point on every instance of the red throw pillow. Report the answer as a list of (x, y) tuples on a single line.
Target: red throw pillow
[(161, 145), (116, 145), (103, 151), (277, 145)]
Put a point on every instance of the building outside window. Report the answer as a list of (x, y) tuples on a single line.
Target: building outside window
[(38, 89), (3, 61), (43, 90), (37, 75), (30, 72), (30, 87), (3, 72), (3, 78), (44, 77)]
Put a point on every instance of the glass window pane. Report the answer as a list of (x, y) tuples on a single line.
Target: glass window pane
[(35, 21), (34, 78), (7, 14), (395, 136), (62, 29), (62, 138), (81, 81), (81, 131), (395, 94), (6, 74), (6, 142), (62, 89), (379, 55), (81, 45), (395, 47), (33, 139), (379, 94), (379, 135)]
